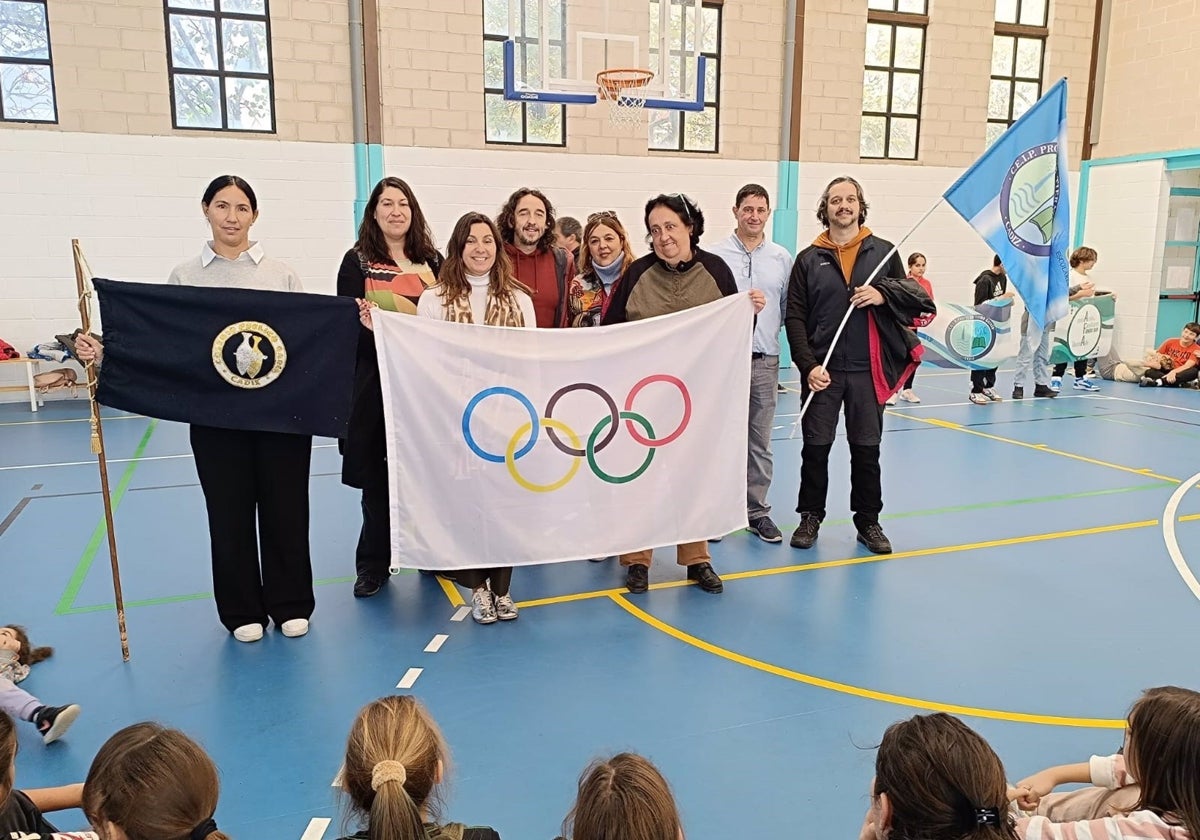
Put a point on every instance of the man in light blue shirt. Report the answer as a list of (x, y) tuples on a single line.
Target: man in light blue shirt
[(758, 263)]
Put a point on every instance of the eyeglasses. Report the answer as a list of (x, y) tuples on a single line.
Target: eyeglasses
[(602, 214)]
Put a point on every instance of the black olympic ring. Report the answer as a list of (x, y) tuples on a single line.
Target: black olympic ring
[(612, 410)]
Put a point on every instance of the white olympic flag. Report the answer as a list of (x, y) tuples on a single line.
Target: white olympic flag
[(511, 447)]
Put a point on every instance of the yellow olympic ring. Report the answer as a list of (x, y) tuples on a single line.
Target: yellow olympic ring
[(511, 461)]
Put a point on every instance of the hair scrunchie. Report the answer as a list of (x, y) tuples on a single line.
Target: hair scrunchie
[(388, 771), (202, 831)]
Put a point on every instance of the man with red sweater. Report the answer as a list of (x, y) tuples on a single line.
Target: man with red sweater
[(526, 225)]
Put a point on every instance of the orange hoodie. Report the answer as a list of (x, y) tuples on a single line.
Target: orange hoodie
[(847, 253)]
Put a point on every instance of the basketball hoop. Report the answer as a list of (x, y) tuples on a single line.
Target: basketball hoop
[(625, 91)]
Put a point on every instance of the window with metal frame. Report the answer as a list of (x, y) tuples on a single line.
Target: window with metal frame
[(26, 68), (1018, 62), (522, 123), (219, 64), (893, 79), (688, 131)]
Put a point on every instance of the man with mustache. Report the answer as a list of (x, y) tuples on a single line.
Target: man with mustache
[(868, 364), (526, 224)]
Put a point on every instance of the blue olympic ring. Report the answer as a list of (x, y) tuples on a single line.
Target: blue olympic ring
[(519, 397)]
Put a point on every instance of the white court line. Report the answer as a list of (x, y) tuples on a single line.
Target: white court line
[(435, 644), (1144, 402), (1168, 526), (120, 460), (316, 828), (339, 777), (70, 420), (409, 678), (461, 613)]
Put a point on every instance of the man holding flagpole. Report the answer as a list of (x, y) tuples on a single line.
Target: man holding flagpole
[(869, 363)]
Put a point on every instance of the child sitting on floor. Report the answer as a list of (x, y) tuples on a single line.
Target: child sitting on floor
[(16, 655), (21, 811)]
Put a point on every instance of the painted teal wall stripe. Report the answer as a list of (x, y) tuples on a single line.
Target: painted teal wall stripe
[(783, 231), (1145, 156), (368, 169), (786, 213), (1085, 174)]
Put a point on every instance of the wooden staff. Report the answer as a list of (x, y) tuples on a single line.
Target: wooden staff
[(83, 289)]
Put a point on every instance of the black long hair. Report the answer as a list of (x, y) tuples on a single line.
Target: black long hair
[(221, 182), (418, 242)]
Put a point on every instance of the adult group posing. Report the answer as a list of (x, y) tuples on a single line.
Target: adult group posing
[(510, 273)]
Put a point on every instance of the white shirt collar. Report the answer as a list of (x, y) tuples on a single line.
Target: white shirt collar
[(254, 252)]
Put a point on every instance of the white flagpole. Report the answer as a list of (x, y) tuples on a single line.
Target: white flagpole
[(846, 317)]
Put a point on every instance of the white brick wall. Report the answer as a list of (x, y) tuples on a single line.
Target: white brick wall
[(1129, 243), (136, 211)]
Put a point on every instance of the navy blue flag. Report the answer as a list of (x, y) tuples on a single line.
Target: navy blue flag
[(230, 358)]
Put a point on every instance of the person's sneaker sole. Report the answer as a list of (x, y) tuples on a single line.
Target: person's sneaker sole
[(778, 538), (874, 549), (61, 724), (248, 633), (294, 627)]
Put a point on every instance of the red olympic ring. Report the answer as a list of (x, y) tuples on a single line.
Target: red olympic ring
[(687, 409)]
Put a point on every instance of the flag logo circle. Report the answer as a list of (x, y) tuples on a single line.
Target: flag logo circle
[(1083, 332), (1029, 197), (525, 437), (256, 352), (970, 337)]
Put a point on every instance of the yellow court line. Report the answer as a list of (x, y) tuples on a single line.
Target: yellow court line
[(857, 691), (1040, 447), (456, 598), (870, 558)]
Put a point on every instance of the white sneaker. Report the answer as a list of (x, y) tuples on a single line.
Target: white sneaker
[(248, 633), (908, 395), (484, 609), (891, 400), (1086, 384), (294, 627), (506, 610)]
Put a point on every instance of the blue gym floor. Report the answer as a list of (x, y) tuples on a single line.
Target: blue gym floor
[(1030, 592)]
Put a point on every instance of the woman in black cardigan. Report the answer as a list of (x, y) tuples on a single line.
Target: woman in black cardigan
[(393, 261)]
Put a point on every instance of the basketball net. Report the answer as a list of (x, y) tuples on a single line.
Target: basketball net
[(625, 92)]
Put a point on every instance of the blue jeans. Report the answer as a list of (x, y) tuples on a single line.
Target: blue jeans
[(1034, 357)]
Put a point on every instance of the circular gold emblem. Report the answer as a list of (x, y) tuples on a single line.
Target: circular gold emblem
[(257, 353)]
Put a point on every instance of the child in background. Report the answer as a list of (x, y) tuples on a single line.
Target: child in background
[(624, 797), (21, 811), (16, 655)]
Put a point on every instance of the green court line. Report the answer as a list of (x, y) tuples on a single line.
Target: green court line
[(197, 596), (67, 601), (1033, 500)]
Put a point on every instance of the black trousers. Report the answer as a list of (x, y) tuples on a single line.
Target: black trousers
[(373, 557), (855, 392), (1183, 378), (1080, 368), (256, 491), (981, 379), (500, 577)]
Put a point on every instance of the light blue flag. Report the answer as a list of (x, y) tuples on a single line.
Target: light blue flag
[(1016, 198)]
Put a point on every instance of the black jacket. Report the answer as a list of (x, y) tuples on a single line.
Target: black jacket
[(818, 298), (364, 449), (989, 285)]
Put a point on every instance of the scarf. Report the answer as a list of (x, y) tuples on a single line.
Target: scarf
[(609, 274), (500, 311)]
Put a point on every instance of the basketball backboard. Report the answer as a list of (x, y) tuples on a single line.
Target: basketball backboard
[(554, 49)]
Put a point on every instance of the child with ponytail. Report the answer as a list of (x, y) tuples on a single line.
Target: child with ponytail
[(395, 761), (152, 783), (937, 779)]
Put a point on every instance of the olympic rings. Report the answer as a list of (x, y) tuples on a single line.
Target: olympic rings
[(627, 416), (510, 458), (612, 411), (483, 395), (602, 434), (687, 409)]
